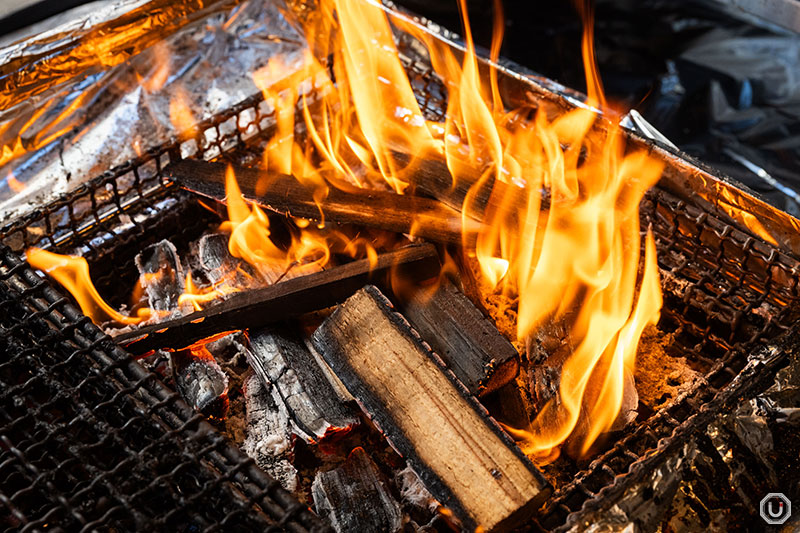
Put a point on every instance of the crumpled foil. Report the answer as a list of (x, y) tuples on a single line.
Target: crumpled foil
[(96, 92)]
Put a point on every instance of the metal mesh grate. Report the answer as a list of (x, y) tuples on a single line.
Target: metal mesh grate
[(90, 439)]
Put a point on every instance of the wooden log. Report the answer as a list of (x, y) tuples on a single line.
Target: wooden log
[(431, 177), (219, 266), (470, 345), (268, 437), (281, 301), (423, 217), (353, 498), (281, 359), (462, 456)]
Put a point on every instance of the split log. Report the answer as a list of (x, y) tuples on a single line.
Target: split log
[(423, 217), (269, 436), (479, 355), (354, 499), (431, 177), (462, 456), (281, 360), (290, 298), (201, 381)]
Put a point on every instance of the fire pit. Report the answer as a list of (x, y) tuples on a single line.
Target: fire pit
[(271, 400)]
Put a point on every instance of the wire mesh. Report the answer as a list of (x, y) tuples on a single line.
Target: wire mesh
[(92, 440)]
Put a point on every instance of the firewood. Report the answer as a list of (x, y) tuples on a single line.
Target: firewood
[(281, 359), (462, 456), (290, 298), (423, 217), (269, 435), (432, 177), (201, 381), (353, 497), (479, 355)]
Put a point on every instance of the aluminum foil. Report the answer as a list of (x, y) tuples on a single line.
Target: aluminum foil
[(93, 93)]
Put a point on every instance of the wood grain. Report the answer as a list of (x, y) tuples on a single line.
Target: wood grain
[(461, 455)]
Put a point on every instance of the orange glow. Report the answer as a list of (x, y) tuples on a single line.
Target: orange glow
[(73, 274), (180, 113), (14, 184)]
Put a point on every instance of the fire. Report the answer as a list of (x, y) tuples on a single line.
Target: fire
[(251, 241), (562, 233), (573, 260), (73, 274)]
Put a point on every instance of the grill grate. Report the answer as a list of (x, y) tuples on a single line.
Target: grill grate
[(92, 440)]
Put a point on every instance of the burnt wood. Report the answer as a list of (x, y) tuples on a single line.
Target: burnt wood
[(468, 342), (430, 176), (354, 498), (201, 381), (286, 195), (160, 275), (461, 455), (289, 298), (281, 359)]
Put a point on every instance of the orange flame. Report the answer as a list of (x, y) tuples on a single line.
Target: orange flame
[(73, 274), (575, 260)]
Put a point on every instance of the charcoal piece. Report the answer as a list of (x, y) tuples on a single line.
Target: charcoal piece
[(353, 497), (462, 456), (279, 356), (269, 435), (201, 381), (218, 264), (479, 355), (161, 275)]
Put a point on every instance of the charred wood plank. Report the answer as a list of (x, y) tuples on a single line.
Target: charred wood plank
[(479, 355), (281, 359), (283, 300), (354, 498), (423, 217), (462, 456), (431, 176), (268, 437)]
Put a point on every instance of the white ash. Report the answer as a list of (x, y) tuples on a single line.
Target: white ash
[(412, 490)]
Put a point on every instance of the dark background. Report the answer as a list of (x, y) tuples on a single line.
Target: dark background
[(708, 111)]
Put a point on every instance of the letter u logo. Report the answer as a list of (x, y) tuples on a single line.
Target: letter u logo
[(771, 512)]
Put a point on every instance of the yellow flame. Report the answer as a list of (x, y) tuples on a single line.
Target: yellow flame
[(573, 259), (250, 238), (73, 274)]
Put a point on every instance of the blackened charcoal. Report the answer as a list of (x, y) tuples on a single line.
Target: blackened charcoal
[(354, 498), (280, 357), (201, 381)]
